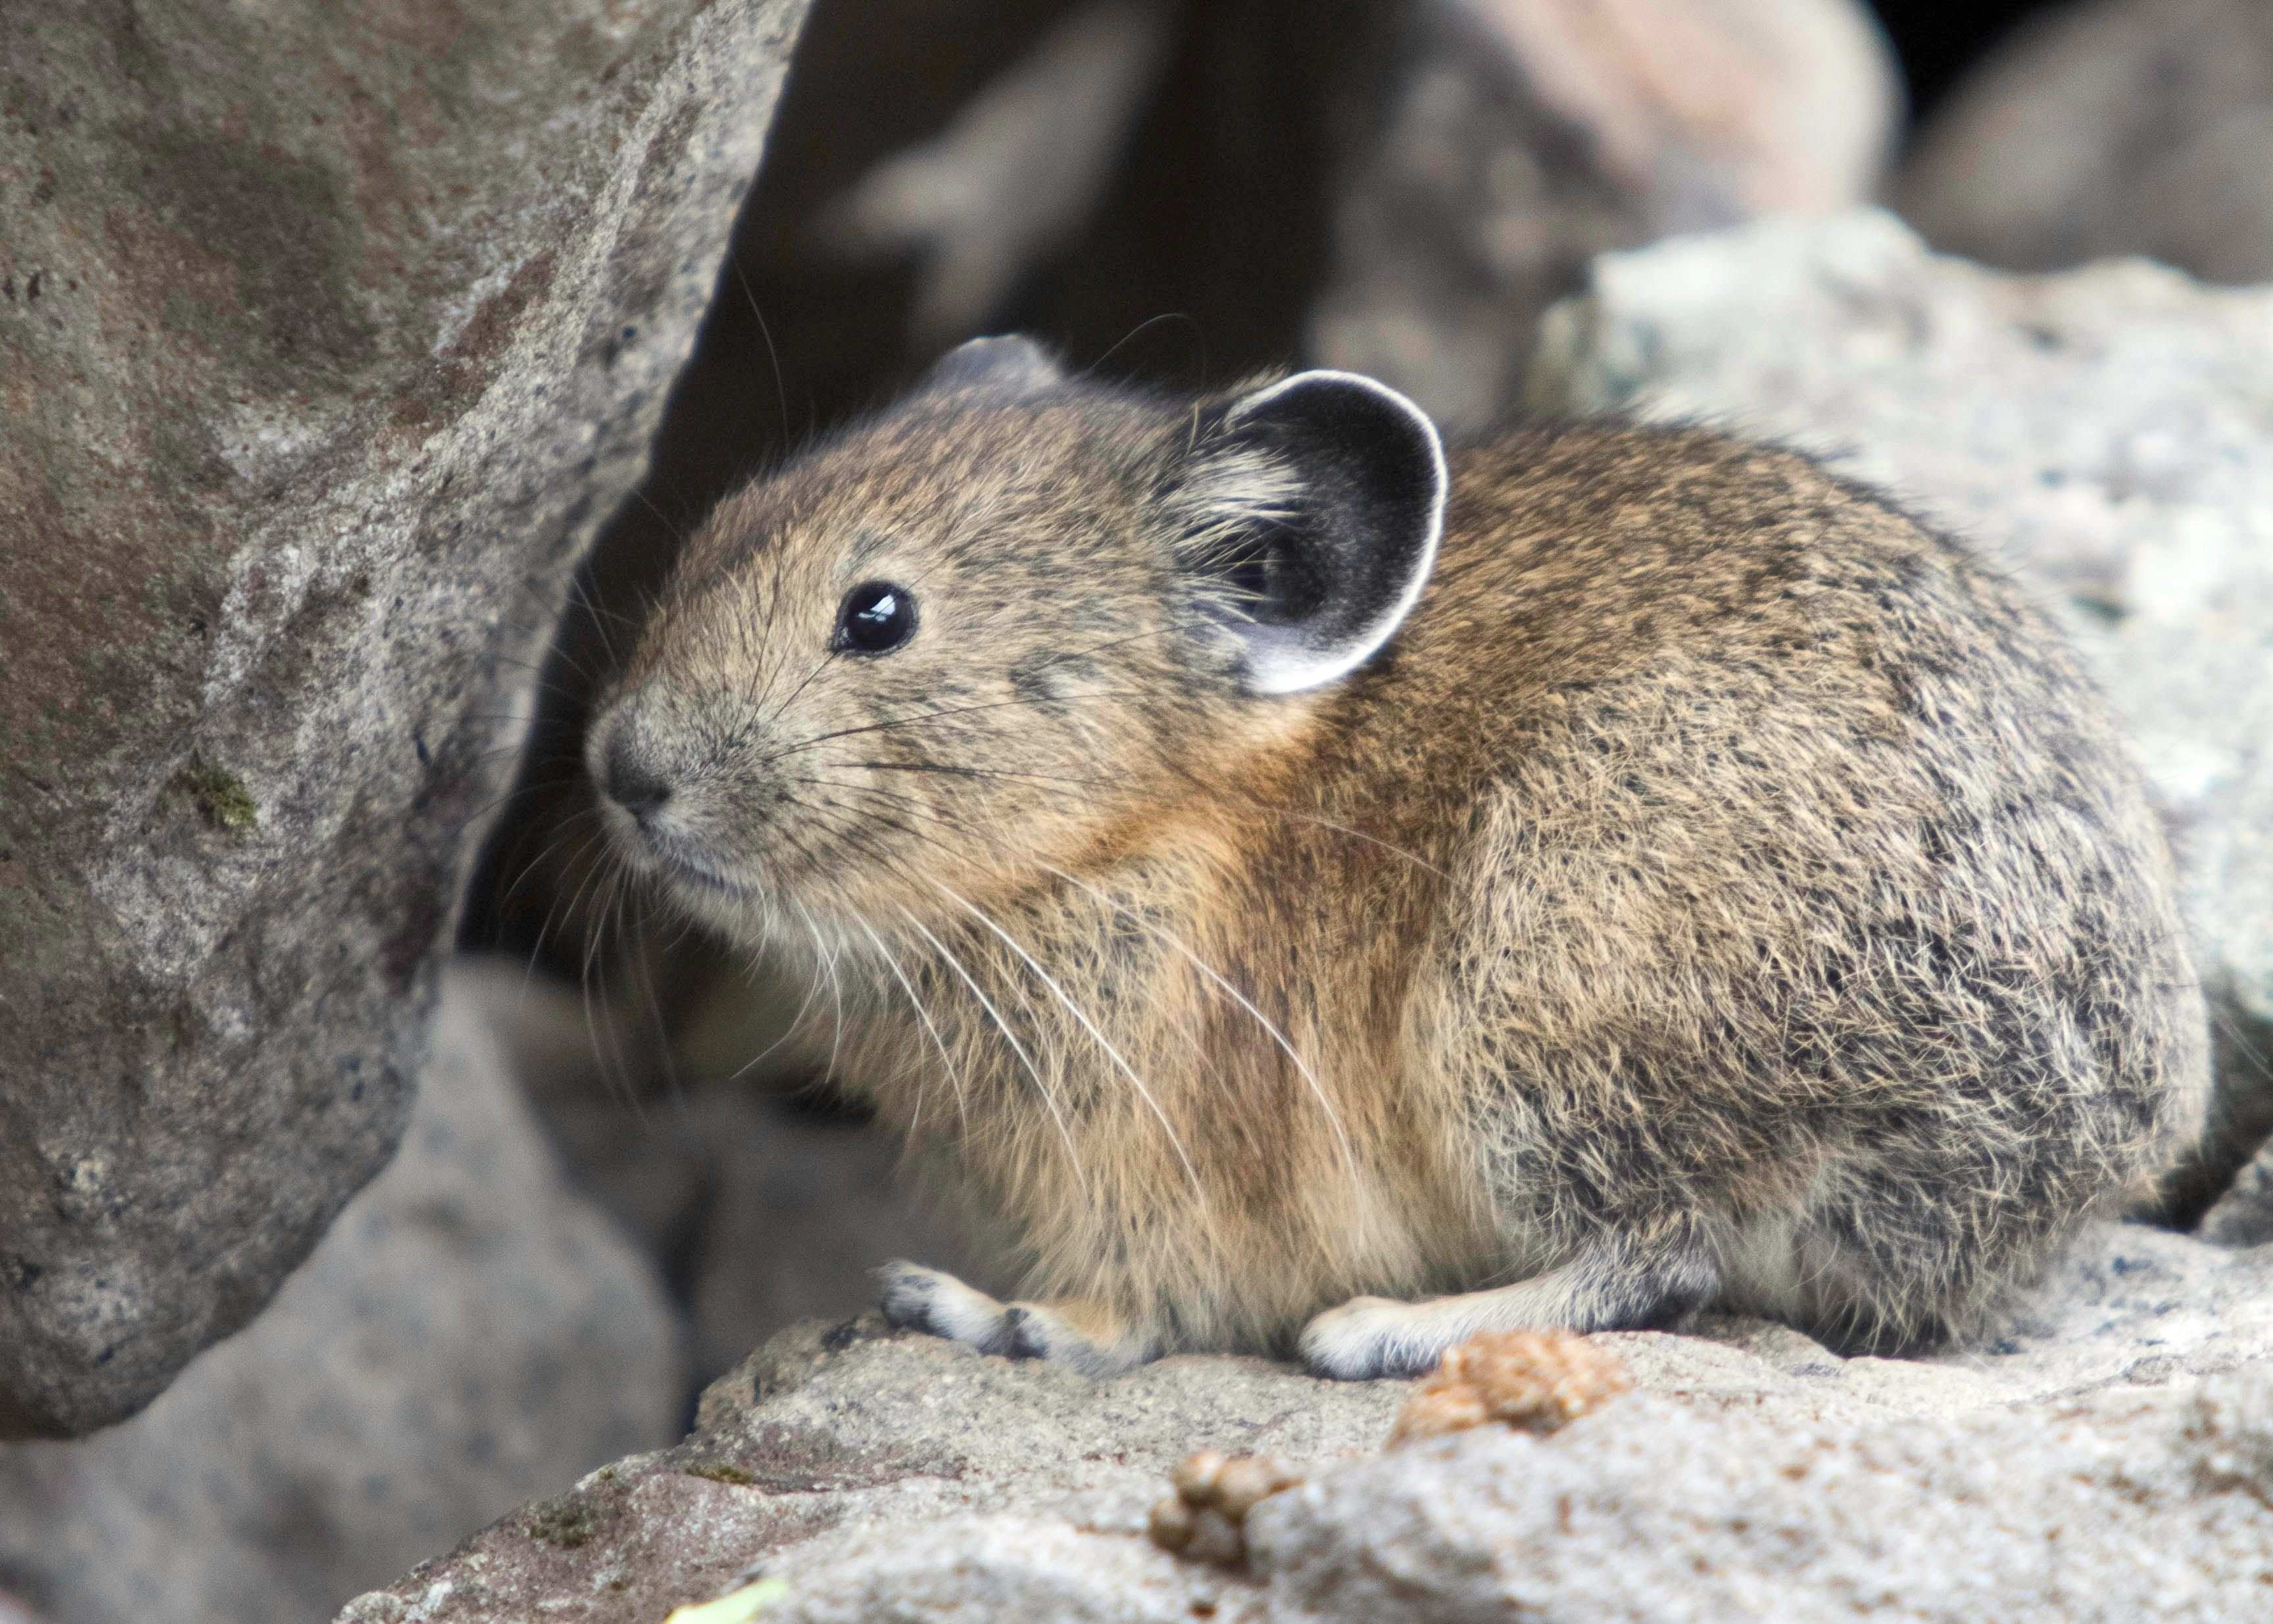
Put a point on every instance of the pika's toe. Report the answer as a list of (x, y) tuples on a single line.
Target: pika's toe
[(916, 1298), (1365, 1339)]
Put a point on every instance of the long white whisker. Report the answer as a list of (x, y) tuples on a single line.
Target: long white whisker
[(1090, 1026), (835, 987), (953, 1076), (1049, 1095), (1355, 834), (1318, 1089), (804, 1005)]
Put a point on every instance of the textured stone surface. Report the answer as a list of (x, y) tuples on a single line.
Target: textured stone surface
[(469, 1335), (761, 1216), (2109, 433), (910, 1478), (1523, 136), (326, 336), (851, 1432), (2244, 1214), (2111, 127), (2124, 1509)]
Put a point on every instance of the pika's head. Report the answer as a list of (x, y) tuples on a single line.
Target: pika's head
[(1014, 623)]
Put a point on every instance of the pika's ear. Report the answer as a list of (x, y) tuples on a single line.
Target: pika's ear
[(1011, 365), (1309, 515)]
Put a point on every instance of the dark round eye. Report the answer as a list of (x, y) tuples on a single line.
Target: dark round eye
[(877, 618)]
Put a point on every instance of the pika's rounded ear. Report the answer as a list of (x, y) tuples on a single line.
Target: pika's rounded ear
[(1011, 363), (1308, 515)]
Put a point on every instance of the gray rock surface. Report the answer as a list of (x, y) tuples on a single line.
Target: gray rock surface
[(327, 335), (470, 1334), (1521, 138), (901, 1477), (2109, 127), (2108, 431), (761, 1216), (2243, 1215)]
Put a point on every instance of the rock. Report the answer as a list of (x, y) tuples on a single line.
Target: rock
[(2110, 433), (327, 340), (1652, 1509), (1521, 138), (471, 1333), (761, 1216), (2244, 1214), (834, 1428), (2116, 127), (898, 1476)]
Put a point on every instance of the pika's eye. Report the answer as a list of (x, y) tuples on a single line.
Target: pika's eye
[(877, 617)]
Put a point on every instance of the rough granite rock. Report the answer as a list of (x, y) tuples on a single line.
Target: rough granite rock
[(760, 1218), (2108, 431), (2244, 1214), (2111, 127), (1521, 138), (470, 1334), (327, 337), (901, 1476)]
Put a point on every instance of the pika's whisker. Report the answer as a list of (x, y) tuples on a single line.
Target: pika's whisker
[(828, 960), (1088, 1025), (1049, 1095), (1310, 1078), (954, 1073), (933, 716)]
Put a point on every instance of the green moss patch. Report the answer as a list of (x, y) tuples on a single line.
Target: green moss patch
[(720, 1471), (567, 1522), (220, 795)]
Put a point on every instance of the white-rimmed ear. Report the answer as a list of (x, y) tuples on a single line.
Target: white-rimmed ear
[(1309, 515), (1011, 363)]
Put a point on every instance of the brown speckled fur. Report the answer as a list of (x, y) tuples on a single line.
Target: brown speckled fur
[(1721, 890)]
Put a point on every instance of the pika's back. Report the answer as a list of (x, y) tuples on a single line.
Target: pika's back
[(1797, 865), (1678, 567)]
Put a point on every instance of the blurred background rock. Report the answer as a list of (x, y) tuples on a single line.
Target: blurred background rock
[(617, 1184)]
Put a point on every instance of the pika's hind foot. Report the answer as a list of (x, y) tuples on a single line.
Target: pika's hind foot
[(1086, 1336), (1369, 1337)]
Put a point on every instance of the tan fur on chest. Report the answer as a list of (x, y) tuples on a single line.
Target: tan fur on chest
[(1195, 1113)]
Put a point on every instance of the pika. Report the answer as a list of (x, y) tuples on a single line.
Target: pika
[(1331, 898)]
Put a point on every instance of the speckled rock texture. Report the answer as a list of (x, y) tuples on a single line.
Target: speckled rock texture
[(2108, 1459), (2243, 1215), (762, 1217), (472, 1333), (1518, 138), (2109, 433), (327, 337), (2109, 127)]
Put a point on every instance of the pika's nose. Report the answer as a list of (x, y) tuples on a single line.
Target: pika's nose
[(631, 781)]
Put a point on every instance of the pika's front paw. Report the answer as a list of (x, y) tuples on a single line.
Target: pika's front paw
[(1368, 1337), (916, 1298)]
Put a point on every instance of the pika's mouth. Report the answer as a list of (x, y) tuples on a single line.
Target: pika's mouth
[(701, 876), (673, 859)]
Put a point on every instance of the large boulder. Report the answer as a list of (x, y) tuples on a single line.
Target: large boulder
[(472, 1333), (2108, 432), (901, 1476), (327, 337), (1516, 139), (2106, 127)]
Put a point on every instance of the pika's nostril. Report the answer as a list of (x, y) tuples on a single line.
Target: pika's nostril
[(631, 783)]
